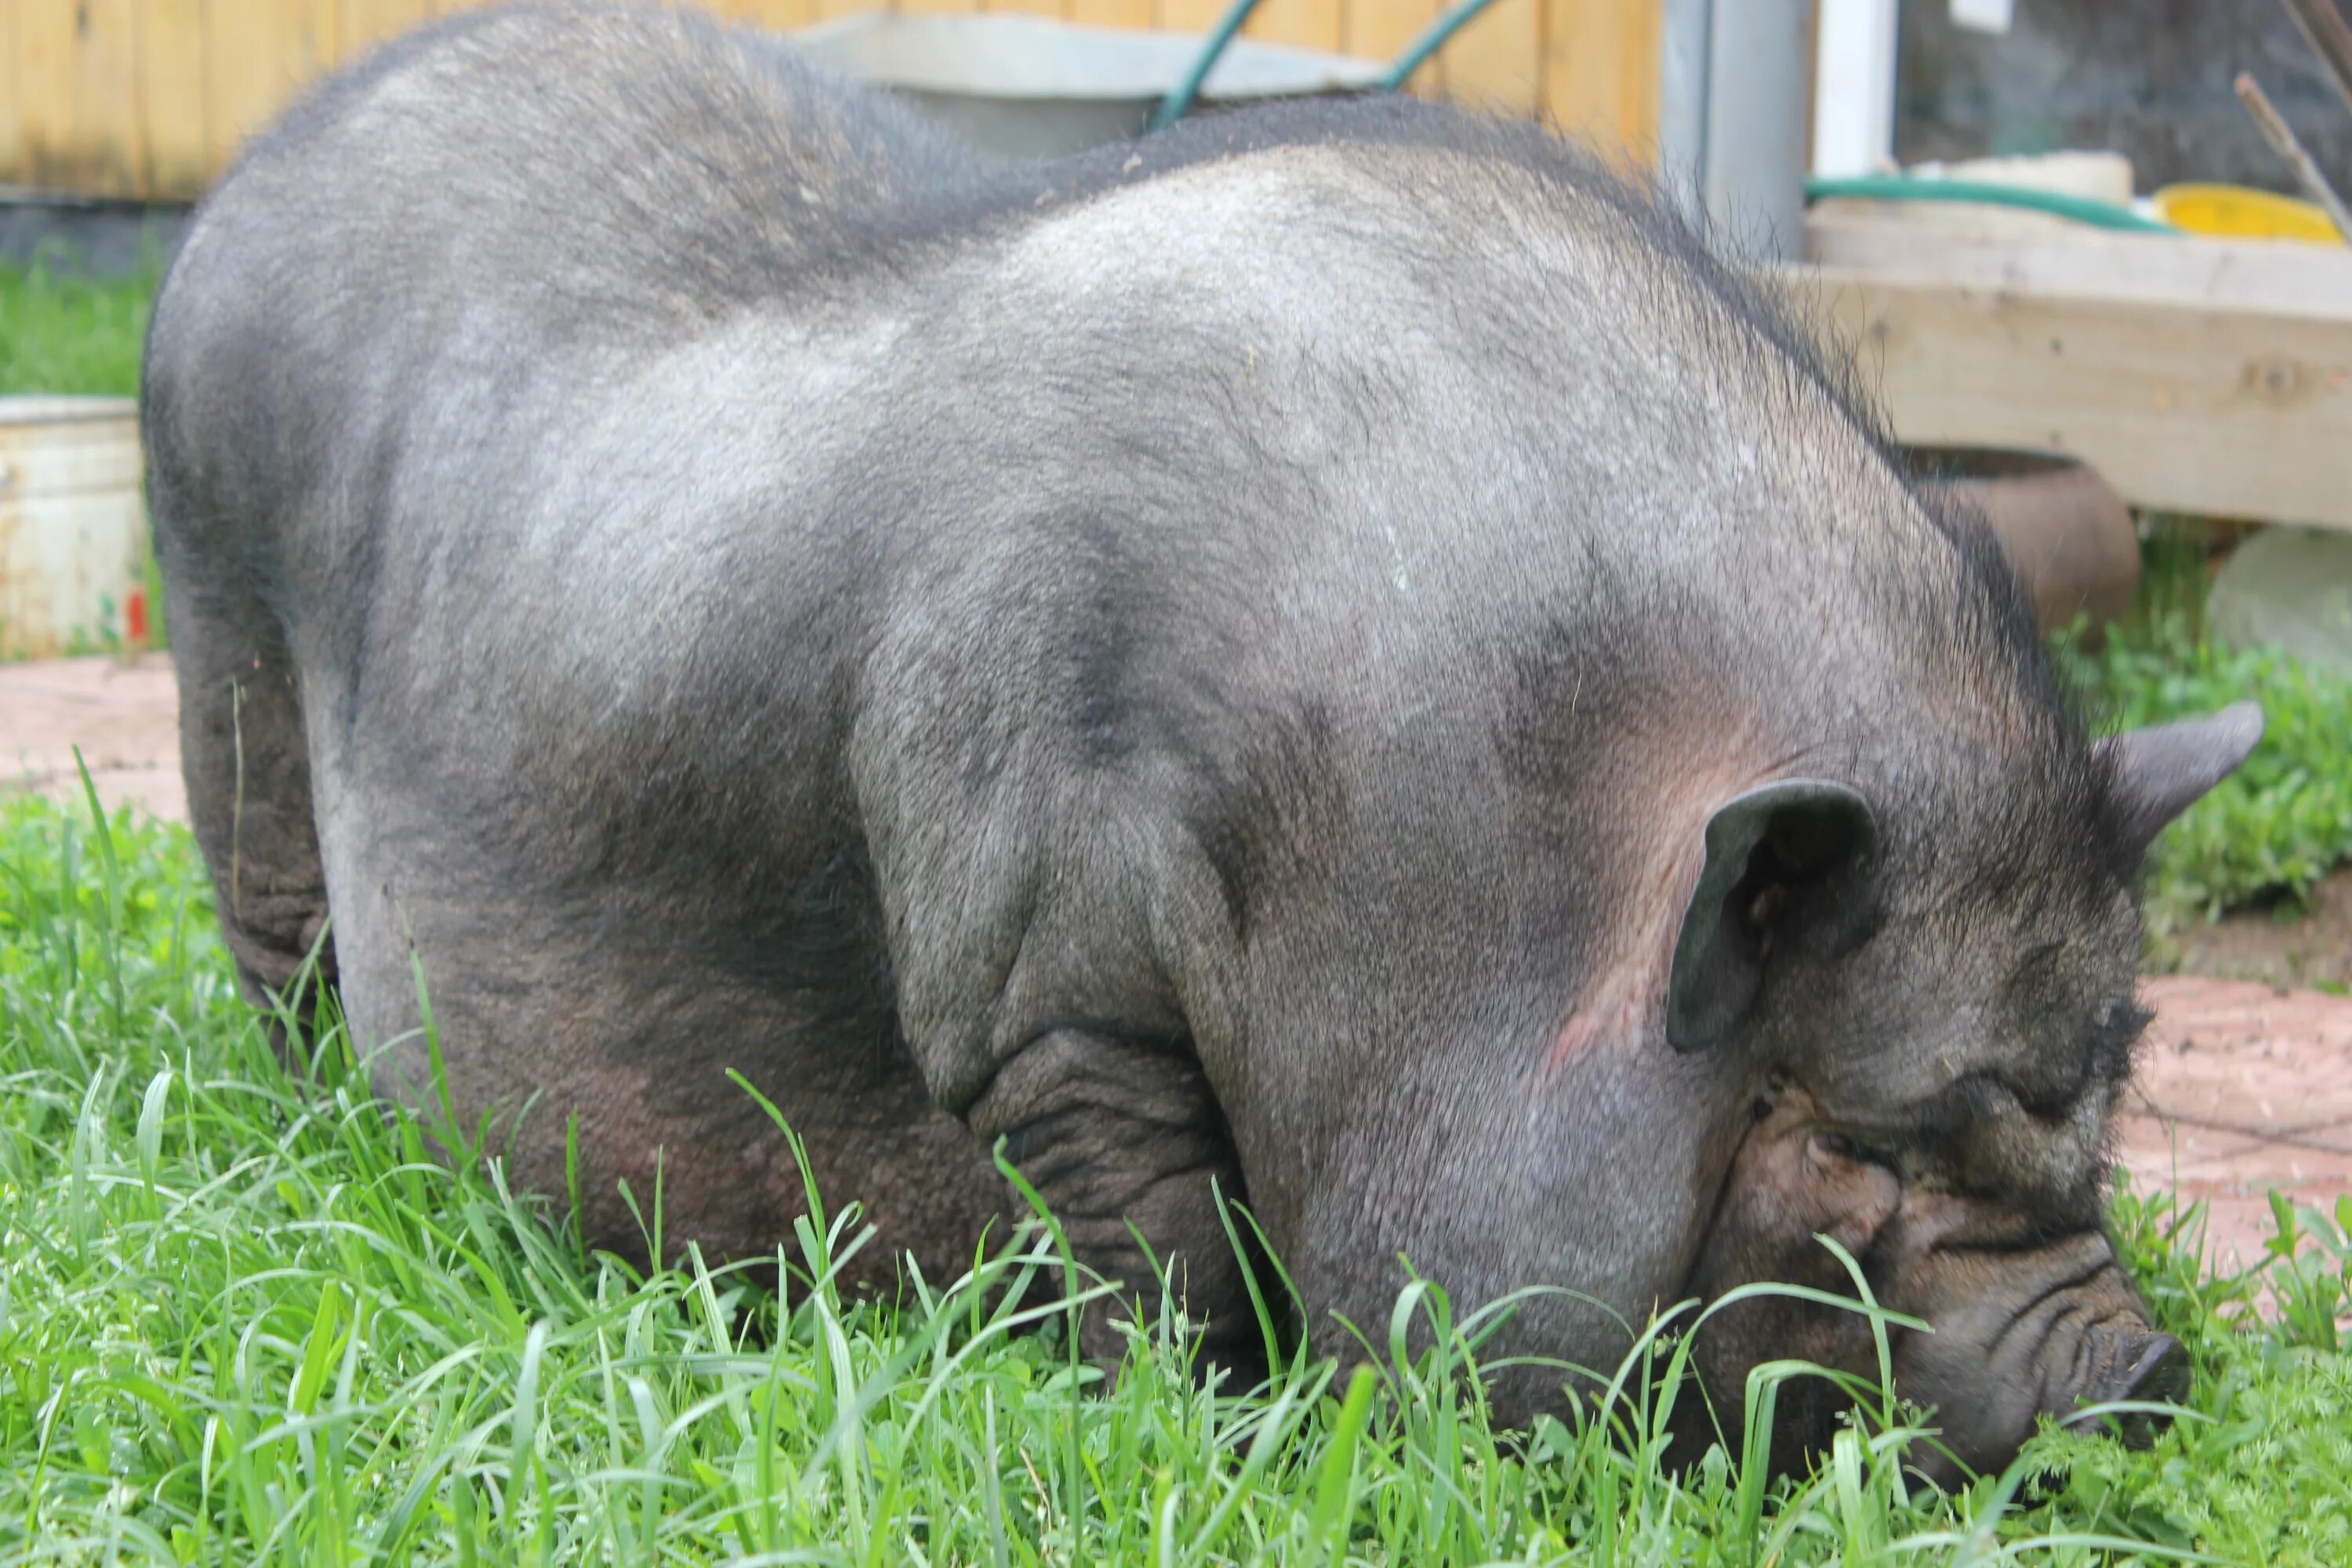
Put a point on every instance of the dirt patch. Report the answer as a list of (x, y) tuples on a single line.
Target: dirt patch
[(2242, 1089), (2273, 947), (123, 714)]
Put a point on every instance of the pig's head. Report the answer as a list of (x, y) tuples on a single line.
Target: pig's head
[(1889, 1001), (1950, 1024)]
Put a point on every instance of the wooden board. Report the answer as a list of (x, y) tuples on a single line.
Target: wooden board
[(1309, 24), (1495, 64), (1601, 63), (110, 138), (1135, 15), (257, 55), (777, 15), (13, 166), (152, 97), (1186, 15), (363, 24), (2222, 408), (2075, 259), (1384, 31), (43, 64), (171, 89)]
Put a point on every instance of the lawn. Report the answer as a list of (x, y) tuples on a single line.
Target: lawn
[(244, 1319), (64, 334), (2278, 825)]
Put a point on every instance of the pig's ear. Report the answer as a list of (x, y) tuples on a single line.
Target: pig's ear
[(1793, 852), (2159, 773)]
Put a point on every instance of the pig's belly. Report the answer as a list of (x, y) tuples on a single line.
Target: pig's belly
[(549, 1014)]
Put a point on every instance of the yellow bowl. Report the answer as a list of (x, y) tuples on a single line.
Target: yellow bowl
[(2240, 212)]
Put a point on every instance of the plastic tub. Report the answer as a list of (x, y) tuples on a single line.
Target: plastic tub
[(73, 526), (1029, 86)]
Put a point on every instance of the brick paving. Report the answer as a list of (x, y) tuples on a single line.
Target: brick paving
[(2243, 1087), (123, 715)]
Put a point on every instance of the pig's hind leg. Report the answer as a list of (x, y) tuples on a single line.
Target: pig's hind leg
[(246, 760)]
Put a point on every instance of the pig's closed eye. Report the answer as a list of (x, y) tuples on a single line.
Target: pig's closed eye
[(1846, 1148)]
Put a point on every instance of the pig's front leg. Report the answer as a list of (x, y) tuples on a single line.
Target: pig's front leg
[(1117, 1134)]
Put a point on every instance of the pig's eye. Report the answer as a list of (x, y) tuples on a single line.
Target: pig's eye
[(1846, 1148)]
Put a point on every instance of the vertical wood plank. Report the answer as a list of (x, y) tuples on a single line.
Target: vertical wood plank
[(258, 54), (364, 23), (45, 41), (110, 142), (1600, 73), (1383, 30), (11, 103), (324, 23), (75, 67), (1310, 23), (1131, 14), (171, 88), (771, 15), (1059, 9), (1189, 15), (1497, 63), (830, 10)]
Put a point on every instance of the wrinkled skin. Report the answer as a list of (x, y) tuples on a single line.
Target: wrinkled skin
[(2020, 1330), (1333, 653)]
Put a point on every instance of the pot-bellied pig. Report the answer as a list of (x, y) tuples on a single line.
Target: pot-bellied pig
[(1331, 654)]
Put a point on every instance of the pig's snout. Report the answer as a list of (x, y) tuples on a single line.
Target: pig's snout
[(2143, 1365), (2023, 1326), (2024, 1333)]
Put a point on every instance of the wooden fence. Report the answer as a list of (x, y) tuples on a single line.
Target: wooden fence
[(150, 98)]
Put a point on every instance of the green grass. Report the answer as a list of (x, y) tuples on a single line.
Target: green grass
[(2271, 831), (62, 333), (247, 1322), (2278, 825)]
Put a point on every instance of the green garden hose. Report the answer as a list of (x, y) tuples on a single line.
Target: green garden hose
[(1910, 188), (1430, 42), (1179, 99), (1862, 187)]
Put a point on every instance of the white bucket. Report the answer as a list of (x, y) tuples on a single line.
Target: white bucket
[(73, 526), (1031, 87)]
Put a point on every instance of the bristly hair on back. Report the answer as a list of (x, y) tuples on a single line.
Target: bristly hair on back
[(1992, 614)]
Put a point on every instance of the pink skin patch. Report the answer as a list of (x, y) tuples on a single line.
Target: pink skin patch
[(1631, 989), (1617, 1015), (1627, 995)]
